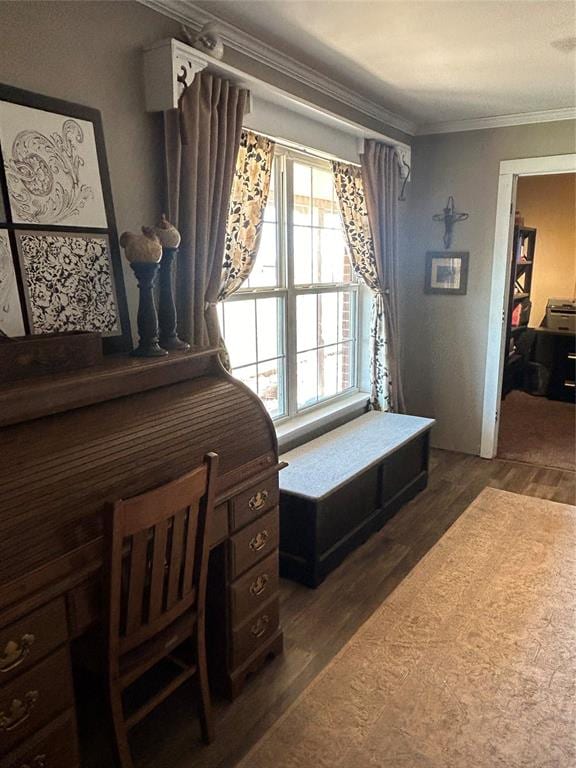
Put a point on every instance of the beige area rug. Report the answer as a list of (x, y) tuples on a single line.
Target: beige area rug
[(537, 431), (469, 663)]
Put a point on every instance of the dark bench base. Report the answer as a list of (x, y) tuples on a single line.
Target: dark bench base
[(316, 535)]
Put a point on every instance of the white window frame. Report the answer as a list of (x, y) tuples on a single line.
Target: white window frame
[(289, 292)]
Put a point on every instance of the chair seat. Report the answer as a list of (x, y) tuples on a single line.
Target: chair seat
[(134, 663)]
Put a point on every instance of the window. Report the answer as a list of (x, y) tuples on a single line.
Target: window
[(291, 329)]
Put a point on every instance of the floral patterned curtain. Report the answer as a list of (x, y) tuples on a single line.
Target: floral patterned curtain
[(248, 200), (352, 200), (245, 216)]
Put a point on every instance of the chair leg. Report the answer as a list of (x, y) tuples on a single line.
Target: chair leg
[(121, 746), (205, 705)]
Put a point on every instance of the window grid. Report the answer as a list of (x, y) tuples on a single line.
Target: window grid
[(287, 293)]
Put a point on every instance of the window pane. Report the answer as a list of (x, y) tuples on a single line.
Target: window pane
[(328, 371), (327, 318), (248, 375), (331, 264), (333, 219), (322, 197), (306, 322), (307, 365), (346, 315), (265, 271), (346, 366), (240, 324), (270, 378), (269, 342), (302, 255), (302, 178)]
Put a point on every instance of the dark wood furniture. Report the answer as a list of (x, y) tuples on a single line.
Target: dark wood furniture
[(157, 565), (343, 486), (556, 351), (70, 445), (521, 273)]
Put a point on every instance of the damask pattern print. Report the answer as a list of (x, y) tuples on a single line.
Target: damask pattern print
[(11, 323), (354, 213), (68, 279), (248, 200), (51, 168)]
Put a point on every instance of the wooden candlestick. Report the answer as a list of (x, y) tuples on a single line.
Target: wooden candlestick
[(147, 317), (166, 305)]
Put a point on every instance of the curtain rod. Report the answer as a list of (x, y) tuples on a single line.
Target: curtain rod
[(302, 148)]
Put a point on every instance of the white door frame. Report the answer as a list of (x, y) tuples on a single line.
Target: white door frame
[(510, 170)]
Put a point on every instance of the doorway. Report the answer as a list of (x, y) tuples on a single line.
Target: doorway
[(503, 286)]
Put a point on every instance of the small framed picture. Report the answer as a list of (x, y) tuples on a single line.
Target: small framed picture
[(446, 272)]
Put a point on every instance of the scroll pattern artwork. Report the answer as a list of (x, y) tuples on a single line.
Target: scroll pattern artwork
[(11, 322), (59, 260), (68, 281), (51, 168)]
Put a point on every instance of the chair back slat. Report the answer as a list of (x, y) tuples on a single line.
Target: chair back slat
[(176, 557), (137, 581), (159, 570), (191, 538)]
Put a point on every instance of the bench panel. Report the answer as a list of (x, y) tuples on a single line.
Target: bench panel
[(316, 534)]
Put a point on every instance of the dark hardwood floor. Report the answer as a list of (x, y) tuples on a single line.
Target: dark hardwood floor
[(317, 623)]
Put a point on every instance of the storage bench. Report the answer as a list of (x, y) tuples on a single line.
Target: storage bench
[(340, 488)]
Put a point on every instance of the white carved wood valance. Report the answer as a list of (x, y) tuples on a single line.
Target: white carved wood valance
[(171, 65)]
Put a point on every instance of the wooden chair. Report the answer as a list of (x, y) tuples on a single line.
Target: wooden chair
[(157, 568)]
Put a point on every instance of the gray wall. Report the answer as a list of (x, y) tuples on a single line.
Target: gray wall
[(90, 53), (445, 337)]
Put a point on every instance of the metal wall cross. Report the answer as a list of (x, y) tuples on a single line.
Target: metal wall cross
[(450, 217)]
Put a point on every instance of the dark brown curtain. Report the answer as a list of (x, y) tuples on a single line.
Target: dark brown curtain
[(202, 140), (381, 177)]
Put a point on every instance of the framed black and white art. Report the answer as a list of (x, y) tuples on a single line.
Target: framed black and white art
[(11, 318), (446, 272), (57, 221)]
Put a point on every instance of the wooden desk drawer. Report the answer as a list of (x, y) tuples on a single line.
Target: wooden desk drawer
[(248, 637), (28, 640), (251, 591), (253, 543), (33, 699), (254, 502), (53, 747)]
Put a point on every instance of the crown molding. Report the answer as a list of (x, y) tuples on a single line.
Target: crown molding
[(192, 16), (499, 121)]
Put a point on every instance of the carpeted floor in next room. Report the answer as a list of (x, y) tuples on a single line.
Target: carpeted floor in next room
[(537, 431)]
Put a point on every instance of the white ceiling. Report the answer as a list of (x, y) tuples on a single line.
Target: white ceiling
[(429, 61)]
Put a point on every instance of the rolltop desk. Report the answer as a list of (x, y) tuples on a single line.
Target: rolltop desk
[(68, 445)]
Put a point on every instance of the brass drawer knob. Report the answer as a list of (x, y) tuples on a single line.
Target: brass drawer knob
[(19, 712), (258, 542), (259, 627), (15, 652), (259, 585), (38, 762), (257, 501)]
